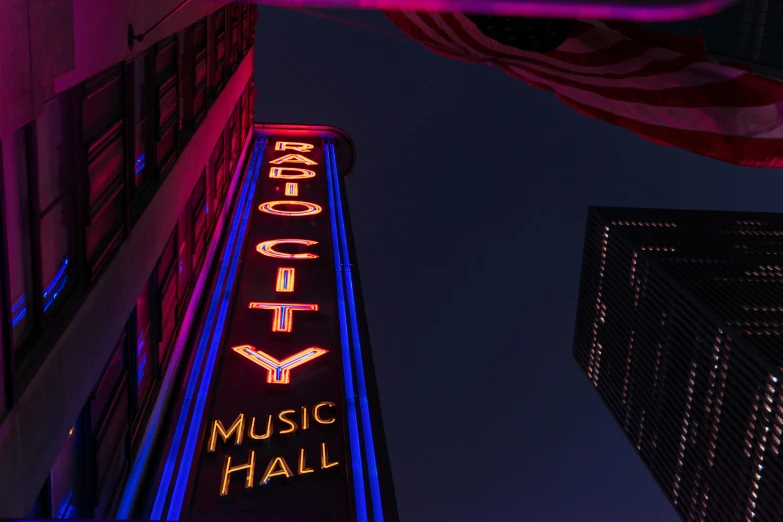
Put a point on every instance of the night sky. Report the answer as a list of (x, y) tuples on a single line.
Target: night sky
[(468, 203)]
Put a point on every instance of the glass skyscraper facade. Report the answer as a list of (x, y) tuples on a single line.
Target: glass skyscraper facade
[(679, 330)]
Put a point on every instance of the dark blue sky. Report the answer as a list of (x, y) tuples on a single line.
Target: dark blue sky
[(468, 202)]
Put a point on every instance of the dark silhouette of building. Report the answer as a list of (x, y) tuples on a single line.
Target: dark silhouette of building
[(680, 330), (748, 32)]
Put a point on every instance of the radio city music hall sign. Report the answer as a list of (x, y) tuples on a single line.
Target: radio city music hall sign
[(285, 262)]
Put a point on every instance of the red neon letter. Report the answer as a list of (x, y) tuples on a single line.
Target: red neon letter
[(270, 207), (283, 319), (285, 280), (292, 145), (279, 372), (293, 158), (278, 172), (292, 189), (267, 248)]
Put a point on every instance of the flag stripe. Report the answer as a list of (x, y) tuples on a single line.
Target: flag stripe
[(761, 122), (727, 88), (750, 152), (662, 87)]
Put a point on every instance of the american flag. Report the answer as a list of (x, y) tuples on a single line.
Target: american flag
[(662, 87)]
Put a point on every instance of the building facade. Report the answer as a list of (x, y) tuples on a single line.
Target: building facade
[(750, 32), (679, 330), (117, 163)]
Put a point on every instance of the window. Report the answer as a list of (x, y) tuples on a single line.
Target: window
[(65, 478), (198, 205), (245, 28), (219, 178), (200, 73), (186, 84), (144, 361), (3, 399), (53, 164), (233, 140), (17, 222), (220, 50), (234, 10), (243, 115), (166, 76), (167, 293), (184, 259), (103, 124), (109, 421), (143, 165)]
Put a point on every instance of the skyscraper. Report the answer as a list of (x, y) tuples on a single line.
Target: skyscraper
[(680, 331), (750, 32)]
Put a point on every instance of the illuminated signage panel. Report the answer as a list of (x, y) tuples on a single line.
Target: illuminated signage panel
[(287, 432)]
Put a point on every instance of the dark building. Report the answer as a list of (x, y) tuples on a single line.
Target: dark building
[(680, 330), (750, 31)]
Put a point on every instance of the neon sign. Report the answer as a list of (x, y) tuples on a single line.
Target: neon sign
[(291, 338)]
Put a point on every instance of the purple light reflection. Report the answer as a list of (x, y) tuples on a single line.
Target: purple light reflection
[(638, 10)]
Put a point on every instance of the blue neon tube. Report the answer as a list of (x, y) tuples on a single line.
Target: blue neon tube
[(375, 490), (186, 462), (168, 470), (353, 429)]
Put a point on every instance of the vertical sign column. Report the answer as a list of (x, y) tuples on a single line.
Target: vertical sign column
[(274, 447)]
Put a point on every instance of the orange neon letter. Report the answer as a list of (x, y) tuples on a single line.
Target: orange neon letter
[(279, 173), (293, 158), (285, 279), (283, 318), (292, 145), (277, 467), (267, 248), (270, 207), (302, 466), (248, 468), (325, 464), (279, 372), (292, 189)]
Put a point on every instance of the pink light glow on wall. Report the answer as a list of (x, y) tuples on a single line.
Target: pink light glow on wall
[(640, 10)]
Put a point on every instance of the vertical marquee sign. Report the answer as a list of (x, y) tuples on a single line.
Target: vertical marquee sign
[(291, 433)]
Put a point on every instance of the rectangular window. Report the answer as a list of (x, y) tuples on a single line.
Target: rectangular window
[(220, 49), (198, 205), (109, 420), (243, 116), (184, 259), (200, 71), (54, 181), (103, 126), (3, 397), (245, 28), (17, 221), (167, 287), (219, 169), (166, 77), (143, 162), (65, 478), (233, 144), (144, 362), (234, 56), (186, 83)]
